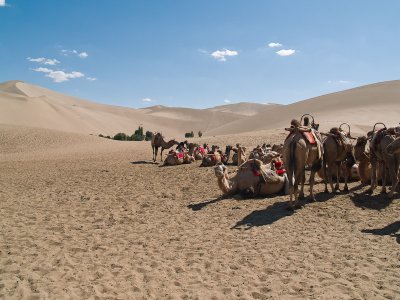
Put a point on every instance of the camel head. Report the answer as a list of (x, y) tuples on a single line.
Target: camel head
[(220, 170)]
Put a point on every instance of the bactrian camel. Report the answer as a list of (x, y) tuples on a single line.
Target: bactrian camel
[(297, 153), (247, 178), (158, 141), (337, 150), (387, 157), (180, 157)]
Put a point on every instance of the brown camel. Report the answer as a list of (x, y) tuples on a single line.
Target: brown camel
[(298, 152), (248, 178), (158, 141), (362, 157), (387, 157), (337, 149), (225, 157)]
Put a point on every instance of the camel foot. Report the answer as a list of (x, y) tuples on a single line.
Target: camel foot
[(369, 192), (383, 191), (311, 199), (346, 189), (326, 191), (301, 196), (336, 192)]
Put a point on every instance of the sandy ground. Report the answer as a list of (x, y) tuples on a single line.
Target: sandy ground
[(83, 217)]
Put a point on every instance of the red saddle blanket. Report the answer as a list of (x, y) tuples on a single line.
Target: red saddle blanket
[(202, 150), (307, 135)]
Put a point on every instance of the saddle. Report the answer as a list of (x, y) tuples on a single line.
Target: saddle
[(307, 135)]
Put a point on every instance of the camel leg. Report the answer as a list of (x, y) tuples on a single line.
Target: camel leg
[(312, 177), (373, 177), (346, 179), (383, 191), (303, 180), (325, 177), (155, 153), (162, 149), (329, 175), (337, 189), (394, 171)]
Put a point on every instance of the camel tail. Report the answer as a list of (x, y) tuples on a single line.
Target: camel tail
[(292, 159)]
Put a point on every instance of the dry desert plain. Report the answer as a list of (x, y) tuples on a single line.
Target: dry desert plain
[(83, 217)]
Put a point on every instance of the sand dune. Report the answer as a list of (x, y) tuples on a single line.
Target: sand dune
[(361, 107), (33, 106), (28, 105)]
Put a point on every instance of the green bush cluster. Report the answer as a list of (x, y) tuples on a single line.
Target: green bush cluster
[(138, 135)]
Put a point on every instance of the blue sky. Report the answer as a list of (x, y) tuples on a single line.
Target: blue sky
[(199, 53)]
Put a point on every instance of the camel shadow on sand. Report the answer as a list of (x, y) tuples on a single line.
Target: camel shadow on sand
[(376, 202), (144, 162), (200, 206), (391, 230), (275, 212)]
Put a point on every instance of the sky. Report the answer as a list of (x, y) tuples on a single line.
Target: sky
[(199, 53)]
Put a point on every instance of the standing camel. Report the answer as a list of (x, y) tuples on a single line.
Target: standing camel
[(301, 148), (337, 149), (382, 151), (158, 141)]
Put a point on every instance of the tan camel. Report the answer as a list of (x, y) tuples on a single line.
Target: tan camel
[(297, 153), (362, 157), (158, 141), (248, 178), (241, 155), (379, 154), (211, 158), (337, 150), (177, 158)]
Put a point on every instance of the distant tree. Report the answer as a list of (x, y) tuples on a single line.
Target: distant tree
[(200, 134), (149, 135), (138, 135), (100, 135), (120, 136), (189, 134)]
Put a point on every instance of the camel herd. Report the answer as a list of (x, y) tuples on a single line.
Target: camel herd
[(282, 168)]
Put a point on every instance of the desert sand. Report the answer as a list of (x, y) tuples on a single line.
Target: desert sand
[(83, 217)]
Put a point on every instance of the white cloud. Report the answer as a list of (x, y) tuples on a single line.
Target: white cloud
[(227, 101), (43, 60), (221, 54), (59, 76), (2, 2), (274, 45), (83, 54), (147, 100), (91, 78), (286, 52)]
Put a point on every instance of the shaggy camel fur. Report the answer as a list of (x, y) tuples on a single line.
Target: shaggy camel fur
[(337, 149), (158, 141), (245, 179), (297, 153), (378, 153)]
